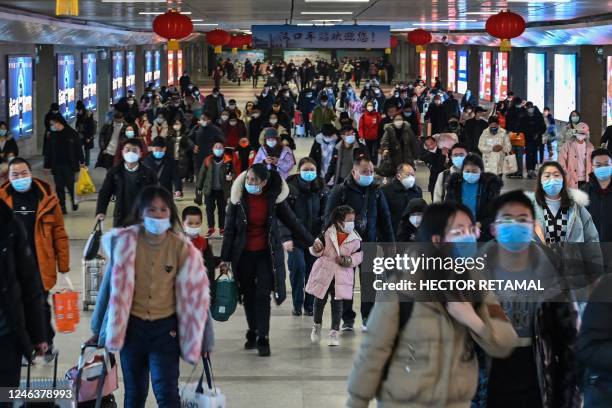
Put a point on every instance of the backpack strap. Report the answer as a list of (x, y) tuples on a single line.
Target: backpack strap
[(405, 312)]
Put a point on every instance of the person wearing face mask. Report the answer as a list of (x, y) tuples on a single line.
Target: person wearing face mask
[(53, 110), (109, 140), (347, 149), (307, 101), (379, 97), (234, 129), (165, 167), (132, 110), (436, 116), (160, 126), (473, 128), (256, 125), (218, 74), (204, 135), (401, 332), (323, 147), (124, 182), (413, 117), (398, 144), (454, 126), (283, 118), (322, 114), (569, 130), (533, 126), (165, 317), (156, 106), (254, 248), (307, 195), (598, 188), (575, 156), (275, 154), (467, 114), (214, 103), (287, 105), (192, 219), (232, 108), (333, 273), (369, 129), (8, 147), (436, 160), (451, 106), (86, 127), (265, 100), (476, 189), (372, 220), (411, 220), (495, 145), (245, 154), (128, 132), (272, 122), (247, 112), (469, 99), (144, 128), (401, 190), (456, 156)]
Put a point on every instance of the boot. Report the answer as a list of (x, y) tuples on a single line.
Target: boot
[(251, 342), (263, 347)]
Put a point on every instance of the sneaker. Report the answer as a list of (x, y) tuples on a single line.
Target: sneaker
[(308, 312), (334, 338), (251, 342), (210, 232), (221, 232), (347, 327), (296, 312), (75, 206), (364, 328), (315, 334), (263, 347), (50, 355), (24, 362)]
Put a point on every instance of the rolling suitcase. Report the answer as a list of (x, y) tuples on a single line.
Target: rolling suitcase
[(54, 392), (93, 270)]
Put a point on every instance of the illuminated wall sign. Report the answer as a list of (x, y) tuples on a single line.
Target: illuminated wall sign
[(179, 63), (536, 81), (157, 71), (118, 69), (565, 85), (501, 76), (423, 66), (148, 75), (88, 82), (452, 71), (65, 85), (130, 75), (462, 72), (609, 91), (485, 76), (434, 66), (20, 93), (171, 73)]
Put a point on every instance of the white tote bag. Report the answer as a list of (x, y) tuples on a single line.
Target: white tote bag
[(510, 164), (199, 395)]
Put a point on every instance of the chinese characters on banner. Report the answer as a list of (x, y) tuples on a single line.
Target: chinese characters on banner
[(88, 81), (501, 76), (171, 68), (20, 96), (117, 86), (130, 76), (291, 36), (423, 66), (452, 71), (65, 85), (434, 66), (157, 71), (462, 71), (485, 76)]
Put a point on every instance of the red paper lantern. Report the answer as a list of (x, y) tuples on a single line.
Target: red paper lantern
[(173, 26), (234, 43), (419, 37), (393, 42), (247, 40), (505, 25), (218, 38)]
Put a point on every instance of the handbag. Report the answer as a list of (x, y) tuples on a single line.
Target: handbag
[(66, 308), (94, 378), (510, 164), (517, 139), (226, 298), (84, 184), (93, 242), (193, 395)]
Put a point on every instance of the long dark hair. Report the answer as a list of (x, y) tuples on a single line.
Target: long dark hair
[(338, 215), (540, 195), (437, 217), (144, 200)]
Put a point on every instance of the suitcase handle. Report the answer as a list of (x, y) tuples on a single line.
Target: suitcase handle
[(105, 368)]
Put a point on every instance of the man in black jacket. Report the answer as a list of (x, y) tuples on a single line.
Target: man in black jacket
[(64, 157), (436, 115), (473, 128), (533, 126), (214, 103), (307, 101), (400, 191), (164, 166), (204, 136), (600, 193), (124, 181), (436, 160), (22, 327)]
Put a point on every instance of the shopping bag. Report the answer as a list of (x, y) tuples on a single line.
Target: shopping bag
[(226, 298), (62, 395), (300, 130), (517, 139), (95, 377), (66, 308), (194, 395), (510, 164), (84, 185), (93, 242)]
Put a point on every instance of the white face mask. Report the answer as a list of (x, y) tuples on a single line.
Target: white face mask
[(273, 121), (369, 108), (130, 157), (192, 231), (408, 182), (176, 127), (580, 136), (348, 226), (415, 220), (398, 123), (271, 143), (255, 114)]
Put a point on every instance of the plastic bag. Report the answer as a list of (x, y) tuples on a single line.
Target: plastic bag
[(84, 185), (66, 309)]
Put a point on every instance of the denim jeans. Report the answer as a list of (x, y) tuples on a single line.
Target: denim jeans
[(300, 263), (518, 151), (151, 346)]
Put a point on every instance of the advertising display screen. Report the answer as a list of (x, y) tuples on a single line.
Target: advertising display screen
[(148, 75), (88, 82), (179, 63), (65, 85), (157, 71), (565, 85), (501, 76), (485, 76), (118, 90), (20, 96), (451, 84), (130, 74), (536, 79), (609, 91), (171, 74), (423, 66), (462, 71), (434, 66)]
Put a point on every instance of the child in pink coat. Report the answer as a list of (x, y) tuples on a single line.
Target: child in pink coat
[(333, 273)]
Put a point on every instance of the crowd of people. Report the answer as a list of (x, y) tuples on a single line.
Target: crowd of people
[(276, 211)]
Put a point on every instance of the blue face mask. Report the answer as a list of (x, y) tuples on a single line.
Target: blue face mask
[(458, 161), (159, 155), (349, 139), (218, 152), (252, 189), (603, 173), (514, 237), (465, 245), (129, 134), (471, 177), (364, 180), (156, 226), (22, 185), (308, 175), (3, 132), (552, 187)]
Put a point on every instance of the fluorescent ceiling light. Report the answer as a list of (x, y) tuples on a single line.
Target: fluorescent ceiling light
[(196, 19), (431, 24), (481, 13), (326, 21), (186, 13), (151, 13), (206, 24), (327, 12), (459, 20), (133, 1), (305, 24), (337, 1), (538, 1)]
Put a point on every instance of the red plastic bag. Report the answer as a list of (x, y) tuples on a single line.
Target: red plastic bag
[(66, 309)]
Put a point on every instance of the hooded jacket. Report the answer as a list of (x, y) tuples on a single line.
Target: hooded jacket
[(568, 159), (398, 198), (401, 149), (600, 202), (494, 161)]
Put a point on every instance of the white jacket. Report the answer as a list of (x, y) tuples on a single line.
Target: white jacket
[(494, 161)]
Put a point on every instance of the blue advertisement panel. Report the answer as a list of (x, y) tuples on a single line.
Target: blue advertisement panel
[(130, 75), (343, 37), (462, 71), (118, 89), (157, 71), (536, 79), (148, 74), (89, 87), (65, 85), (20, 93), (565, 85)]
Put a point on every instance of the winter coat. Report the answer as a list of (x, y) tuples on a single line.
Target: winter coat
[(167, 172), (50, 237), (472, 130), (568, 159), (286, 160), (322, 116), (600, 202), (181, 148), (326, 269), (441, 186), (369, 124), (75, 154), (436, 114), (214, 105), (317, 153), (10, 149), (397, 197), (533, 127), (233, 133), (204, 138), (340, 154), (235, 233), (204, 181), (430, 361), (86, 127), (22, 295), (399, 151), (114, 302), (436, 163), (494, 161), (307, 102), (371, 209)]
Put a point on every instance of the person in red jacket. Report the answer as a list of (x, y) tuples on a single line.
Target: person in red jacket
[(234, 130), (369, 125)]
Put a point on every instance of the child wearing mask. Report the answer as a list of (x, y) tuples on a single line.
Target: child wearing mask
[(192, 225), (245, 153), (164, 167), (575, 157), (411, 219), (333, 273)]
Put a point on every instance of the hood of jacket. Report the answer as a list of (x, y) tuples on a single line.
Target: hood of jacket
[(277, 187)]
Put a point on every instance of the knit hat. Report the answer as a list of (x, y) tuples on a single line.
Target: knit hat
[(270, 132), (415, 205)]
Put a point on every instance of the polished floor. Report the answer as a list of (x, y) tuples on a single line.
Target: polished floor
[(297, 375)]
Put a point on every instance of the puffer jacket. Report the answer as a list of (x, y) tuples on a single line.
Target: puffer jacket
[(369, 124), (398, 198), (235, 234), (50, 238), (428, 363), (406, 150), (494, 161), (568, 159), (205, 175), (489, 188), (600, 202)]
